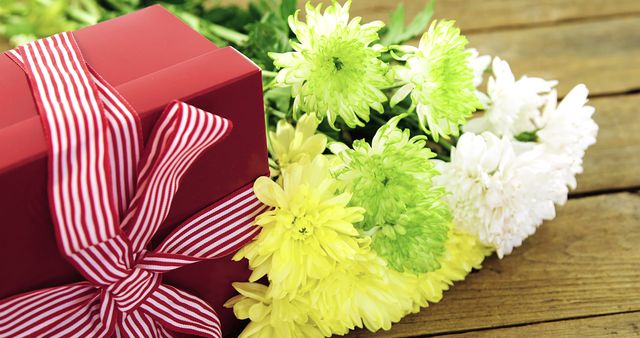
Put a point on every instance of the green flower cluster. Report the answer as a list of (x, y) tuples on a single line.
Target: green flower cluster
[(340, 68), (391, 179)]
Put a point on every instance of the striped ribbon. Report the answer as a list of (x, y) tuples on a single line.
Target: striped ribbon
[(104, 217)]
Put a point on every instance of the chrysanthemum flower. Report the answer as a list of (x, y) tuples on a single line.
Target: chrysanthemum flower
[(513, 105), (364, 293), (289, 145), (568, 129), (496, 194), (273, 317), (479, 64), (391, 179), (334, 71), (462, 254), (307, 233), (440, 80)]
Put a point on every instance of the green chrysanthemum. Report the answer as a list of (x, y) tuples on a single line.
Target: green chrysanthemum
[(440, 80), (391, 179), (333, 70)]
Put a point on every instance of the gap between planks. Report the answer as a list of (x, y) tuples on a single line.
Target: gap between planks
[(568, 327)]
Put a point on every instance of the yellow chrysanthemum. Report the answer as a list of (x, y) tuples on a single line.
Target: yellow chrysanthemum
[(309, 230), (272, 317), (462, 254), (363, 292), (289, 144)]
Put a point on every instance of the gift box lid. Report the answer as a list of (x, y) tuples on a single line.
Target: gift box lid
[(123, 49)]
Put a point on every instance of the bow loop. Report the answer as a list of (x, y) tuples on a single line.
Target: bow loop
[(164, 162)]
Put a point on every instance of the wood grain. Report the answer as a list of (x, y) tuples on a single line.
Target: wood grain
[(4, 44), (602, 54), (473, 15), (585, 262), (613, 162), (622, 325), (492, 14)]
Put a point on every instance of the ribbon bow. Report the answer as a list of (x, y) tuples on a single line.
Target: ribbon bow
[(104, 217)]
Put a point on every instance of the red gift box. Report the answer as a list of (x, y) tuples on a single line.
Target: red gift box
[(151, 58)]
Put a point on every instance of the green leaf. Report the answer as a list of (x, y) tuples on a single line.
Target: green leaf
[(280, 97), (420, 22), (287, 7), (396, 32), (527, 136), (395, 27), (270, 34)]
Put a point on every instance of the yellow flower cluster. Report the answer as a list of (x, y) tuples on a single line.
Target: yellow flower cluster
[(290, 144), (323, 277)]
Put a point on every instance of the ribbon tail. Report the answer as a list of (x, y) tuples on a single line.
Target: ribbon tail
[(64, 311), (139, 324), (181, 312)]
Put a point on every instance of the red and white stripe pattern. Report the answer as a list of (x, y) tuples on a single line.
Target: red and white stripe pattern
[(104, 217)]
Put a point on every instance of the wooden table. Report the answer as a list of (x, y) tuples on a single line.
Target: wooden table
[(579, 275)]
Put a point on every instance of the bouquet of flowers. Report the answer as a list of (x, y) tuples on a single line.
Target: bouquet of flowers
[(424, 176), (396, 168)]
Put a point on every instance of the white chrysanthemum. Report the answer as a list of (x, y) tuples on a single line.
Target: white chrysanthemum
[(567, 129), (479, 64), (497, 194), (513, 105)]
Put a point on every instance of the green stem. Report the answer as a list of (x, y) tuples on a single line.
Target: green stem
[(443, 157), (378, 119), (395, 85), (269, 85), (228, 34), (445, 143), (412, 109), (266, 73), (278, 113)]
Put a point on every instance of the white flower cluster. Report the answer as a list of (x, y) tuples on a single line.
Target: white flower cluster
[(513, 164)]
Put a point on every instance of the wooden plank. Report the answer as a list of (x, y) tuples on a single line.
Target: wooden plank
[(4, 44), (492, 14), (602, 54), (623, 325), (613, 162), (585, 262)]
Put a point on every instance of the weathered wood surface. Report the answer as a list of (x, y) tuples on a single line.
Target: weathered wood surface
[(503, 14), (603, 54), (613, 163), (619, 325), (474, 15), (4, 44), (586, 262)]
